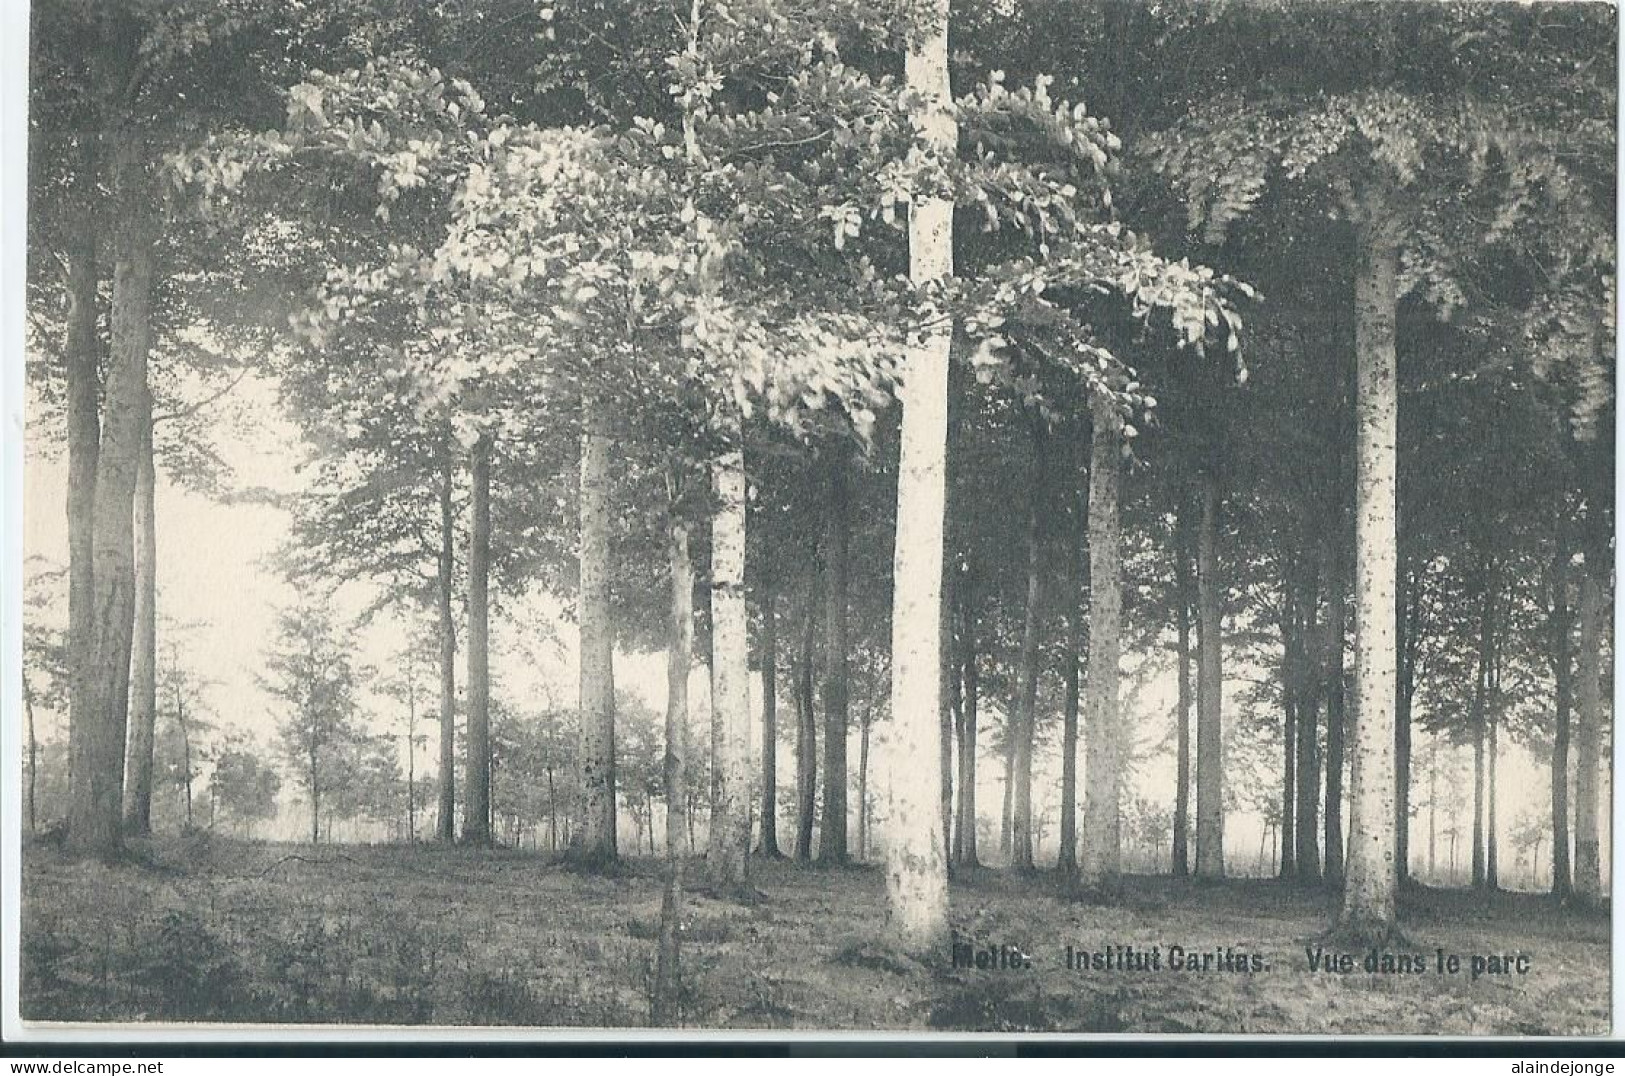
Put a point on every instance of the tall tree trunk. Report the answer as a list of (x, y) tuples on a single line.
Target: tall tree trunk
[(477, 785), (144, 646), (1210, 696), (1404, 690), (911, 794), (832, 830), (31, 802), (1183, 601), (1027, 690), (1480, 719), (446, 818), (1067, 858), (968, 733), (1100, 862), (1492, 856), (1370, 879), (1332, 664), (769, 839), (1289, 769), (1588, 749), (97, 763), (80, 350), (728, 862), (863, 786), (1561, 653), (806, 737), (594, 840), (1308, 696)]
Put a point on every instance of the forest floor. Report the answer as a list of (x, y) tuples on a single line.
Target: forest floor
[(218, 930)]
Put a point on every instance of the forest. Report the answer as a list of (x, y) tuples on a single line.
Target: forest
[(700, 512)]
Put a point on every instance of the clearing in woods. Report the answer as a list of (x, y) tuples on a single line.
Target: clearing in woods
[(225, 930)]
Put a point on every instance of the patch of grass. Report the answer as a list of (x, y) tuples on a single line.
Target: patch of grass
[(228, 930)]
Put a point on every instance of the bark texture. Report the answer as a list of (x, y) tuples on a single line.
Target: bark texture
[(446, 817), (729, 856), (1210, 694), (1370, 877), (910, 798), (594, 840), (95, 814), (477, 751), (144, 646), (1101, 858)]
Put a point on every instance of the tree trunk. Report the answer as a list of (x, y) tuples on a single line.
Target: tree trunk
[(144, 646), (446, 818), (968, 733), (97, 763), (1370, 876), (1562, 658), (1210, 696), (769, 838), (679, 648), (832, 831), (80, 351), (594, 840), (1289, 771), (33, 760), (1305, 690), (477, 790), (863, 787), (1067, 858), (1480, 719), (806, 738), (1102, 838), (1182, 621), (1404, 691), (1027, 689), (1332, 663), (1588, 751), (911, 794), (728, 862)]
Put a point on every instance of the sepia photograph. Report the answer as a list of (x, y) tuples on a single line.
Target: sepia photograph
[(812, 517)]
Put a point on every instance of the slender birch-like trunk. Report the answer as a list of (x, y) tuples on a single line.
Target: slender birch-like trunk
[(970, 700), (832, 831), (446, 818), (768, 842), (1209, 717), (1333, 679), (916, 869), (679, 656), (477, 785), (1182, 623), (1561, 654), (1067, 858), (806, 737), (144, 646), (1021, 830)]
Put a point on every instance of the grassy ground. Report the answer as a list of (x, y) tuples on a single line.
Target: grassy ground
[(221, 930)]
